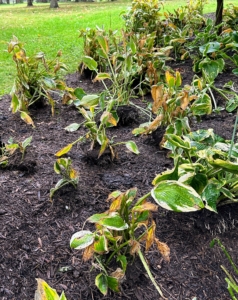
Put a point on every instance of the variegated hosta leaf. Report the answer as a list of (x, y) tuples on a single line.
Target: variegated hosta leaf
[(225, 165), (114, 222), (132, 147), (100, 245), (45, 292), (176, 196), (82, 239), (210, 195)]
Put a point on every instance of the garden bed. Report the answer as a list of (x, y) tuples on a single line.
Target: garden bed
[(35, 233)]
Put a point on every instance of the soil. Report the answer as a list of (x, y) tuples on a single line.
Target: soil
[(35, 233)]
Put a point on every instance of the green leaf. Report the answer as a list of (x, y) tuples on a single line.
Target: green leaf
[(122, 259), (26, 142), (49, 82), (176, 196), (102, 76), (113, 283), (101, 283), (57, 168), (90, 63), (210, 195), (82, 239), (114, 222), (209, 48), (178, 141), (97, 217), (196, 181), (235, 71), (225, 165), (89, 100), (103, 43), (15, 104), (79, 93), (132, 147), (202, 106), (44, 291), (100, 245), (138, 131), (62, 296), (25, 117), (167, 175), (72, 127)]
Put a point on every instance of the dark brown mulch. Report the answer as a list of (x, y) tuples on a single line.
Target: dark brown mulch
[(35, 233)]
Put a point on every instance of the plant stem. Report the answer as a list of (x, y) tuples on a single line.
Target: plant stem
[(213, 98), (149, 274), (233, 136)]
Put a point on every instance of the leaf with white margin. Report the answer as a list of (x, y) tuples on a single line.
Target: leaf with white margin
[(82, 239), (176, 196)]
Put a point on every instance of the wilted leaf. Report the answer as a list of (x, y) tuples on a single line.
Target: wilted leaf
[(150, 237), (157, 93), (88, 252), (25, 117), (163, 249)]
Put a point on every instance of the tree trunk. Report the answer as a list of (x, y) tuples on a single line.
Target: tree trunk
[(54, 4), (219, 14), (29, 3)]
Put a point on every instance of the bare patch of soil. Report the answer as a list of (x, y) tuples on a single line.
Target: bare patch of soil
[(35, 233)]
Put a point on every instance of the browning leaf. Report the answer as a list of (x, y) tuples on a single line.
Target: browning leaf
[(135, 246), (88, 252), (163, 249)]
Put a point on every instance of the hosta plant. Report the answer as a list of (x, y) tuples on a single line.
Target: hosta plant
[(205, 171), (172, 104), (7, 150), (63, 167), (121, 233), (232, 282), (36, 77), (89, 106), (45, 292)]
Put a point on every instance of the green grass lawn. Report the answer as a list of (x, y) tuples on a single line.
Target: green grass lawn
[(50, 30)]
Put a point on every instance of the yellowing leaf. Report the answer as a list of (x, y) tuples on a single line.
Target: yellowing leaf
[(116, 204), (163, 249), (157, 95), (155, 124), (150, 237), (145, 206), (25, 117), (44, 291), (170, 79), (172, 25), (73, 174), (64, 150), (184, 100), (20, 55)]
